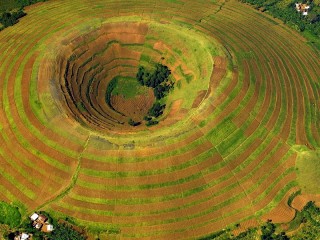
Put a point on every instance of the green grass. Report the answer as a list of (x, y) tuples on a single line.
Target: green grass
[(9, 214), (308, 171), (129, 88)]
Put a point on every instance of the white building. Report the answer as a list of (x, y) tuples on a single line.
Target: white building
[(34, 216)]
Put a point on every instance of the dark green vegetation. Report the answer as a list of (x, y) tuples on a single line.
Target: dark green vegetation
[(13, 4), (9, 214), (158, 80), (111, 86), (10, 18), (12, 10), (309, 221), (268, 232), (161, 84), (286, 11), (65, 231), (306, 225), (133, 123), (157, 109)]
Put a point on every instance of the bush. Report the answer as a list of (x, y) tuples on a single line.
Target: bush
[(152, 122), (133, 123)]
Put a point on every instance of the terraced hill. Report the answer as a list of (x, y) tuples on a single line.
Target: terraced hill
[(245, 105)]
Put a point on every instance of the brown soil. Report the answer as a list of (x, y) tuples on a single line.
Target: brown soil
[(135, 108)]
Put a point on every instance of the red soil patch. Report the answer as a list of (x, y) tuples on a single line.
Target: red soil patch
[(301, 200)]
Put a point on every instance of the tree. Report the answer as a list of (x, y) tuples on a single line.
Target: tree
[(157, 109), (159, 81)]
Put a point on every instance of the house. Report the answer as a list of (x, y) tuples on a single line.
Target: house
[(47, 228), (40, 222), (22, 236), (34, 216), (302, 7)]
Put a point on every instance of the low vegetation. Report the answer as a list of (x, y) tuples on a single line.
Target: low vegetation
[(308, 165), (9, 214), (128, 88)]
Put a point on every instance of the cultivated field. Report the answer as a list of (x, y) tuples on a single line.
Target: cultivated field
[(245, 106)]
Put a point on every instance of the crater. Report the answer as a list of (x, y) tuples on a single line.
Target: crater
[(96, 73)]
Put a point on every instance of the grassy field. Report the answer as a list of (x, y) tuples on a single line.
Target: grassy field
[(307, 170), (238, 137), (129, 88)]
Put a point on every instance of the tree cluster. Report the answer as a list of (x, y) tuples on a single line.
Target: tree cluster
[(161, 84), (158, 80), (156, 110), (10, 18), (268, 232), (13, 10)]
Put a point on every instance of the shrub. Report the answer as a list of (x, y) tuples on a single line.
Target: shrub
[(133, 123)]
